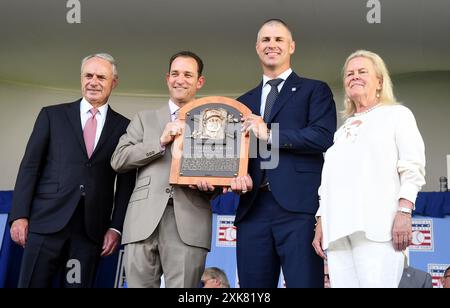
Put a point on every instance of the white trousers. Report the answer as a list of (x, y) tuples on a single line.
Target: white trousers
[(356, 262)]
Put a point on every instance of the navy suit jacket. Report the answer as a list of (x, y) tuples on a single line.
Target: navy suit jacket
[(56, 172), (306, 113)]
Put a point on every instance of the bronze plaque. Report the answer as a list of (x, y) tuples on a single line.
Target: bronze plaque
[(211, 145)]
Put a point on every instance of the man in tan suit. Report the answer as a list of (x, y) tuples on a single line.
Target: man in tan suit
[(167, 229)]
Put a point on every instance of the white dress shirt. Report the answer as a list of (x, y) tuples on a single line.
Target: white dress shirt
[(173, 109), (85, 107), (266, 88)]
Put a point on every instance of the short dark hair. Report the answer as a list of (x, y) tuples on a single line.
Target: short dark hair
[(188, 54), (277, 21), (447, 270)]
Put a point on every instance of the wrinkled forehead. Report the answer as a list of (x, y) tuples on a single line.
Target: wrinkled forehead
[(97, 66), (359, 63)]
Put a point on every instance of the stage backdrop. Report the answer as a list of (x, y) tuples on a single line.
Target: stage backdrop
[(430, 252)]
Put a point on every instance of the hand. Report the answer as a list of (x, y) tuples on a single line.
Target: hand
[(19, 231), (110, 243), (318, 238), (171, 130), (402, 231), (202, 185), (256, 124), (242, 185)]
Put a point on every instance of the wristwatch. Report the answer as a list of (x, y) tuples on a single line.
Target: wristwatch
[(405, 210)]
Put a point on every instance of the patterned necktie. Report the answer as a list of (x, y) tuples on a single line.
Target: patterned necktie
[(175, 114), (271, 97), (270, 101), (90, 130)]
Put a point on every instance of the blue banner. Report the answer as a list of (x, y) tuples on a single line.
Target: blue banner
[(3, 220)]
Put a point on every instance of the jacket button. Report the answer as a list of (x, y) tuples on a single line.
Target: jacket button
[(168, 190), (83, 192), (89, 165)]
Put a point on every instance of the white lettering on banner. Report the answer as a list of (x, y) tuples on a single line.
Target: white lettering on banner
[(374, 14), (74, 14), (74, 273)]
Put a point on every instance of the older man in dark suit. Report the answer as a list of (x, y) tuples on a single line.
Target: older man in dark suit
[(64, 207)]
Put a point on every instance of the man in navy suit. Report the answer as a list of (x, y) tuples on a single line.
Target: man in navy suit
[(64, 206), (296, 119)]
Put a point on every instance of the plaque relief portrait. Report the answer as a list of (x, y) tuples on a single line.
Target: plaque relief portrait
[(213, 124)]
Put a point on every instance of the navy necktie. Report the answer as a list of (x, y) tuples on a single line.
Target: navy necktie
[(271, 97), (270, 101)]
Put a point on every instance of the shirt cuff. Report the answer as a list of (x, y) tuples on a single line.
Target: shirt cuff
[(117, 231), (408, 192)]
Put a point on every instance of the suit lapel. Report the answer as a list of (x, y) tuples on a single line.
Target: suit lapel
[(254, 102), (73, 114), (290, 87), (108, 128), (164, 117)]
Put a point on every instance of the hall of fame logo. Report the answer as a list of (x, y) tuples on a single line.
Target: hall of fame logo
[(226, 232), (437, 272), (422, 235)]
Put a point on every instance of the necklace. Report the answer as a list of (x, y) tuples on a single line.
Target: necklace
[(367, 111)]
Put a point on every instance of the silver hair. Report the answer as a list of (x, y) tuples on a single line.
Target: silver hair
[(217, 273), (104, 56)]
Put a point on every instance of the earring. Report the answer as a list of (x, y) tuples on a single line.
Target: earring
[(378, 93)]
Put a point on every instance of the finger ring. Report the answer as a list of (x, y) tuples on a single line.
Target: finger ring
[(244, 191)]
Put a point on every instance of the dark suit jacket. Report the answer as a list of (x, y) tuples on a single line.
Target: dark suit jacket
[(56, 172), (414, 278), (306, 113)]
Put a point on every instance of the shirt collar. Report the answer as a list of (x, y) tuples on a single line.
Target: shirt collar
[(173, 107), (283, 76), (85, 106)]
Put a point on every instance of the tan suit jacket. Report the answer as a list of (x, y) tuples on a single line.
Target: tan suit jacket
[(140, 148)]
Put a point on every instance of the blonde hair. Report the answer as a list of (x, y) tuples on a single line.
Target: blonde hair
[(386, 93)]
